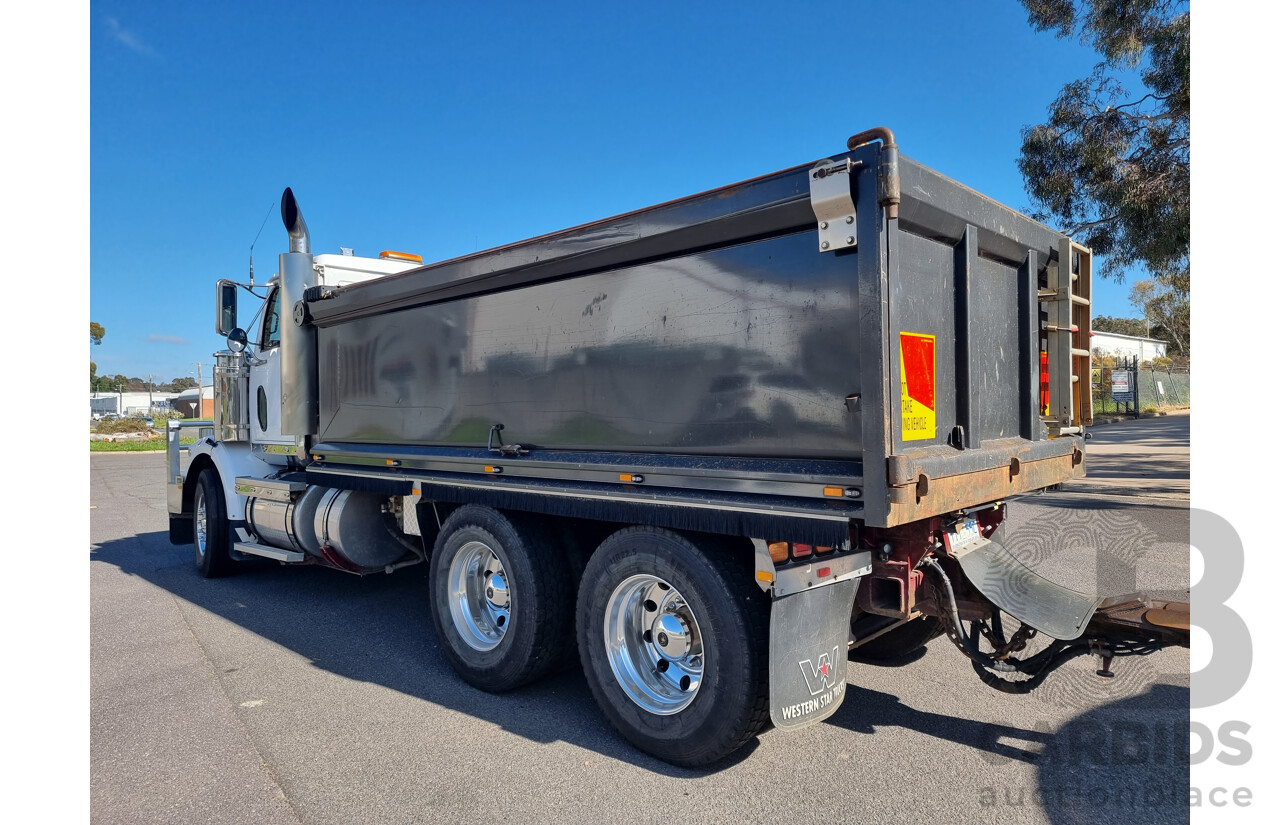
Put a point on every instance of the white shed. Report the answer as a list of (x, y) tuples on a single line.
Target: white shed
[(1128, 346)]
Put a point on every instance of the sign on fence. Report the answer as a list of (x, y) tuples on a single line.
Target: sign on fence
[(1122, 386)]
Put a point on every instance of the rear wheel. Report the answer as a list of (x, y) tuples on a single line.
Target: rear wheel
[(212, 532), (501, 598), (673, 635)]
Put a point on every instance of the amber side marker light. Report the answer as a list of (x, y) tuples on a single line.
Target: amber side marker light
[(778, 551), (388, 255)]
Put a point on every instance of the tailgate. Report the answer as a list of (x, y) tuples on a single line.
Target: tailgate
[(987, 332)]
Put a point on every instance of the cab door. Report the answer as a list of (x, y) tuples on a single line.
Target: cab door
[(264, 386)]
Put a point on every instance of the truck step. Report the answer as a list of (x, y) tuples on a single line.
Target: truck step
[(269, 488), (269, 552)]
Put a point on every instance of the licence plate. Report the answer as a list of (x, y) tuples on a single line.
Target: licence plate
[(964, 534)]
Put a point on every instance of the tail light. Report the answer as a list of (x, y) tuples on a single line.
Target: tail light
[(1044, 382)]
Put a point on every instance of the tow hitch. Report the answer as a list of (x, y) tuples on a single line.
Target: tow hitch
[(1130, 625)]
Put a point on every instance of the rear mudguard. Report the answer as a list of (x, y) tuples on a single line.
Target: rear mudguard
[(1021, 592), (1065, 614), (809, 639)]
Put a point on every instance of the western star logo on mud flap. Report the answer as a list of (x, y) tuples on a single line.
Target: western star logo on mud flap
[(825, 681), (916, 370)]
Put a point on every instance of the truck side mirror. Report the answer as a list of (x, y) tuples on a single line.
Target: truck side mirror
[(237, 340), (226, 307)]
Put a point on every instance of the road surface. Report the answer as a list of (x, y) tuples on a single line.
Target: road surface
[(307, 695)]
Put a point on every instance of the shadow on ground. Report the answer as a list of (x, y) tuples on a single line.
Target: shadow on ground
[(377, 629), (1120, 763)]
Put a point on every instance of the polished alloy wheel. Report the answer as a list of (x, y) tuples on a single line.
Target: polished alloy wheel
[(202, 525), (479, 596), (654, 644)]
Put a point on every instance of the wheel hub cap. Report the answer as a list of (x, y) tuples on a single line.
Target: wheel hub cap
[(496, 591), (672, 636)]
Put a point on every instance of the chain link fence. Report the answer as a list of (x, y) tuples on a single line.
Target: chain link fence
[(1151, 389)]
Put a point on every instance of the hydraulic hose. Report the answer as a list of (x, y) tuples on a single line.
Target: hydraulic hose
[(970, 646), (1039, 666)]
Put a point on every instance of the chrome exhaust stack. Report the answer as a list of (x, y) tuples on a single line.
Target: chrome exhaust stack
[(299, 370), (299, 238)]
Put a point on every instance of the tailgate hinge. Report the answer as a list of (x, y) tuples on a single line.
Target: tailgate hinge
[(831, 197)]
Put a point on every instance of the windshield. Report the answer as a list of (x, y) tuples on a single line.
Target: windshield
[(270, 336)]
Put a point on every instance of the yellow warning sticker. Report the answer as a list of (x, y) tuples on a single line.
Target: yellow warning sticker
[(919, 405)]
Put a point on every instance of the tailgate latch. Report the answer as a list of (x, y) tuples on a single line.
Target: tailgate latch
[(831, 196)]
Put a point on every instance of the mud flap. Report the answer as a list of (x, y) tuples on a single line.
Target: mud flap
[(1024, 594), (808, 653)]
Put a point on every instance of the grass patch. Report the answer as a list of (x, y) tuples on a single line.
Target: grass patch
[(121, 425), (154, 445)]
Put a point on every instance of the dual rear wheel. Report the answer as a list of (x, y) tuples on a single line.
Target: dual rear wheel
[(670, 627)]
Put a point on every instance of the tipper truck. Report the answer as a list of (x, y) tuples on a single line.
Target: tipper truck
[(708, 449)]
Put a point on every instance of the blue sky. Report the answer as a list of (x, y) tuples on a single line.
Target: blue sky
[(445, 128)]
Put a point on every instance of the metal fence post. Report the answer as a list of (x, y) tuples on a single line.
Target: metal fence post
[(1137, 393)]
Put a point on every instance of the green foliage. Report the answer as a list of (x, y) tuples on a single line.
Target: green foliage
[(96, 333), (1121, 326), (1111, 168), (183, 383), (121, 425), (1166, 304)]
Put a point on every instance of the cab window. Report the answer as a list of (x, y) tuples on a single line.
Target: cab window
[(271, 321)]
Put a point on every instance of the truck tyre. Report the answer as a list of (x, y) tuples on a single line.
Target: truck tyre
[(501, 598), (900, 641), (673, 634), (212, 533)]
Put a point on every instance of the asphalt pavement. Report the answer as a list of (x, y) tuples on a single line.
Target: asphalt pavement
[(308, 695)]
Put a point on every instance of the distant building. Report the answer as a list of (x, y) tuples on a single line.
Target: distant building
[(1129, 346), (146, 403), (194, 403)]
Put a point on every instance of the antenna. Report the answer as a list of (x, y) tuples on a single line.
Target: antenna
[(255, 240)]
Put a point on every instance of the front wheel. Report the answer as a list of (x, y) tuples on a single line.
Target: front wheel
[(212, 532), (673, 635)]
